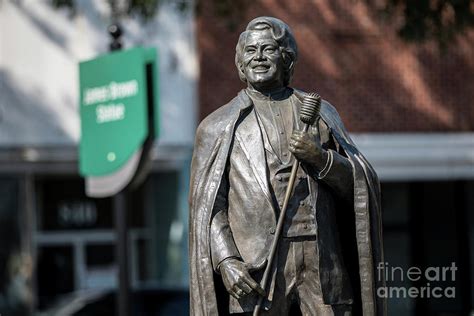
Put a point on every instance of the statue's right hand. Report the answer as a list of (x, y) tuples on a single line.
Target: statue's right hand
[(237, 280)]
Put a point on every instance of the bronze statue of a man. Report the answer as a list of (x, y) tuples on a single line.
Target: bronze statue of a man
[(331, 237)]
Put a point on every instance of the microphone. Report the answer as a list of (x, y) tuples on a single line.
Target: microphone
[(310, 108)]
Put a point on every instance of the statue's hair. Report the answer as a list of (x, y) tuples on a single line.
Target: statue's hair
[(281, 33)]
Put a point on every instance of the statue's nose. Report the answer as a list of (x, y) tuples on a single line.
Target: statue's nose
[(259, 55)]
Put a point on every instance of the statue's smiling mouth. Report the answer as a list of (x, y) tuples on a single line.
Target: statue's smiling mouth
[(260, 68)]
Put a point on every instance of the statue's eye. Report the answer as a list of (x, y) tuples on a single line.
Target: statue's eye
[(250, 50), (270, 49)]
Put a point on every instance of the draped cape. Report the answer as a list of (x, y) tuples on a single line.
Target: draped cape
[(213, 141)]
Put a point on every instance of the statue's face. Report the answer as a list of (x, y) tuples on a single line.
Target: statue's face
[(262, 61)]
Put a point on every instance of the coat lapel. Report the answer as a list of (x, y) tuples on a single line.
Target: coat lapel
[(249, 136)]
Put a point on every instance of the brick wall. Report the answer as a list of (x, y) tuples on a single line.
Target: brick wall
[(354, 60)]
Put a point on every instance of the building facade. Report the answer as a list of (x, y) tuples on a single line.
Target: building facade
[(58, 243)]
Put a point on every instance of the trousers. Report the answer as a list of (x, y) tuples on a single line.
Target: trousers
[(297, 281)]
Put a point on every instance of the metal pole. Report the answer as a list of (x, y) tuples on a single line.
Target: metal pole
[(308, 113), (278, 230), (120, 212), (123, 307)]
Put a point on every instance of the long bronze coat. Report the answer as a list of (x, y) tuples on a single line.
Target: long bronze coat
[(361, 234)]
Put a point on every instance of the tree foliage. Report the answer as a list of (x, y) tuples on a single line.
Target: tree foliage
[(439, 20), (145, 9)]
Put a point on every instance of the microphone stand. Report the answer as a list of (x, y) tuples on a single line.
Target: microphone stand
[(278, 230)]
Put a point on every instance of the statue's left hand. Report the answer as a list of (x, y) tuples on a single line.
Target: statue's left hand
[(307, 148)]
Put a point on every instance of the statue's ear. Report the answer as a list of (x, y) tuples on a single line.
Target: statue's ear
[(292, 64), (241, 69), (289, 62), (241, 72)]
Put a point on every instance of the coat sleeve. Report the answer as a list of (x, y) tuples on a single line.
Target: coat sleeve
[(339, 176), (221, 240)]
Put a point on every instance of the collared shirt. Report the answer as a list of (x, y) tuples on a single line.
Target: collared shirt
[(276, 115)]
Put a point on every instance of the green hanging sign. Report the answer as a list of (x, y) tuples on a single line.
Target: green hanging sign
[(118, 109)]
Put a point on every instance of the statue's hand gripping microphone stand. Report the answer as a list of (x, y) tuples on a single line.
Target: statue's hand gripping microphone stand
[(308, 114)]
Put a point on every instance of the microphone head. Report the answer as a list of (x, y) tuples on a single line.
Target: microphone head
[(310, 108)]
